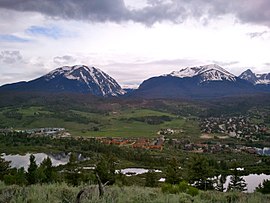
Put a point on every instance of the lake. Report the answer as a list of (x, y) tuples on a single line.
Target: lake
[(252, 180), (18, 161), (134, 171), (263, 151)]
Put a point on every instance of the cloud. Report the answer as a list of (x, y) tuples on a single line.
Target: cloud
[(257, 34), (12, 38), (53, 32), (143, 70), (249, 11), (10, 57), (225, 63), (94, 10), (64, 60)]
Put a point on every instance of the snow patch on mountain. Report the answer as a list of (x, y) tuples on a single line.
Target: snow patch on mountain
[(210, 72), (89, 76)]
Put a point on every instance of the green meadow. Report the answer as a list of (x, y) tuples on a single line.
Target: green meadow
[(121, 123)]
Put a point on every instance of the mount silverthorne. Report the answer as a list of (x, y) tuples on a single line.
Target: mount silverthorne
[(208, 81)]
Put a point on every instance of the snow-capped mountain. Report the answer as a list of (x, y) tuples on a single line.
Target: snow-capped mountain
[(78, 78), (206, 81), (210, 72), (256, 79)]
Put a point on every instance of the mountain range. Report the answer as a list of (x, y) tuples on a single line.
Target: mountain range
[(208, 81)]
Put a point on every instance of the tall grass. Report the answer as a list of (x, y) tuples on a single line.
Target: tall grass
[(63, 193)]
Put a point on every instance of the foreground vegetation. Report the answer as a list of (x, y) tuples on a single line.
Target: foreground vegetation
[(119, 194)]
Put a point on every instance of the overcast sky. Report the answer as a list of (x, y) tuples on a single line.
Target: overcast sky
[(132, 40)]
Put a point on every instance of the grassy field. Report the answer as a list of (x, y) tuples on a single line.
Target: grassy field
[(56, 193), (121, 123)]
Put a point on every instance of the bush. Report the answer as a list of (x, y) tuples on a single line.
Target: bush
[(169, 188), (264, 188), (182, 187), (193, 191)]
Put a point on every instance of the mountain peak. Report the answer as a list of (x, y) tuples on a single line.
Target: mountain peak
[(249, 76), (93, 79), (256, 79), (210, 72)]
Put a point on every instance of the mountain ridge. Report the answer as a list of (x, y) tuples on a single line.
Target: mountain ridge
[(208, 81)]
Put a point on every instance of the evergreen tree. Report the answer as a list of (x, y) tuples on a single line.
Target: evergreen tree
[(237, 183), (16, 176), (4, 167), (72, 158), (264, 188), (220, 183), (151, 179), (47, 170), (106, 170), (173, 172), (32, 171), (21, 177), (199, 173)]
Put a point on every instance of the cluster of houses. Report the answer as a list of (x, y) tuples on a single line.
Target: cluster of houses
[(210, 147), (139, 143), (169, 131), (44, 131), (238, 127), (51, 132), (186, 145)]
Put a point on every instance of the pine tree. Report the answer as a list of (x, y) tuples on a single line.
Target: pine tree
[(46, 166), (4, 167), (173, 172), (151, 179), (199, 173), (72, 158), (32, 171), (237, 183), (106, 170), (264, 188), (220, 183)]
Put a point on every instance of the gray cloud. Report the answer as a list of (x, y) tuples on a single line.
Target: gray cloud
[(250, 11), (10, 57), (93, 10), (256, 34), (64, 60)]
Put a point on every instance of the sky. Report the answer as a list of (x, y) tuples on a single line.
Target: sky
[(132, 40)]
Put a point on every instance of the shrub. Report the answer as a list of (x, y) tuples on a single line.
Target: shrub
[(192, 191), (264, 188), (183, 186)]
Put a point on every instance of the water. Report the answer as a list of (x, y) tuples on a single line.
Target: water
[(252, 180), (18, 161), (263, 151), (134, 171)]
